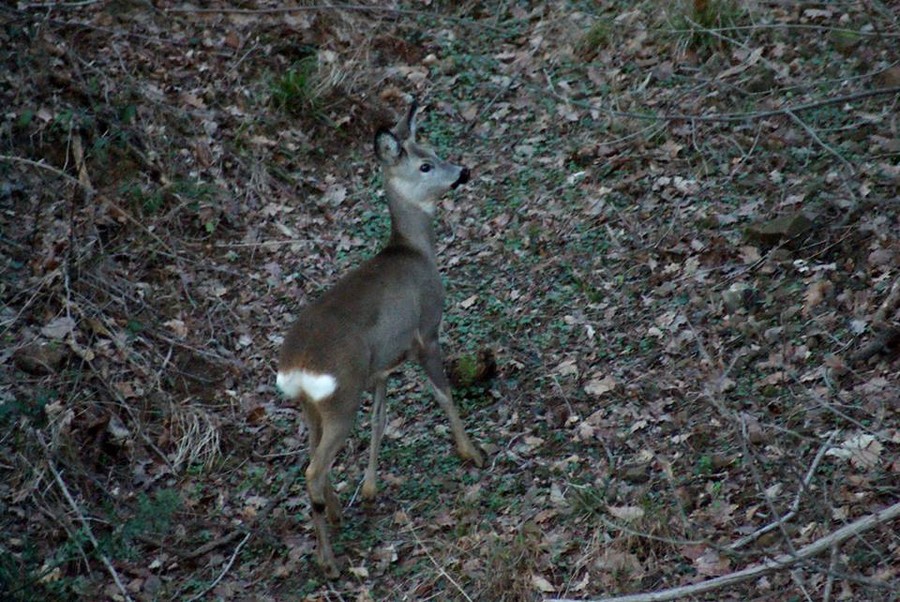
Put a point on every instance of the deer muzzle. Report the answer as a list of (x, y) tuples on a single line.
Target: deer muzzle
[(463, 178)]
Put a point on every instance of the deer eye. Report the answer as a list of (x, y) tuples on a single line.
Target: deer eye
[(425, 167)]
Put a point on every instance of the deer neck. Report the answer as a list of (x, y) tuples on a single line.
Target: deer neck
[(411, 226)]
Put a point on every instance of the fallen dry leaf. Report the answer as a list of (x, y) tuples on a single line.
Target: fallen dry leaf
[(600, 386), (542, 585)]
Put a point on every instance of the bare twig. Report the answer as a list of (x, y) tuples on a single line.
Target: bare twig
[(52, 5), (890, 334), (889, 304), (760, 26), (89, 190), (648, 536), (293, 9), (795, 505), (48, 167), (780, 562), (264, 243), (767, 499), (212, 545), (330, 7), (258, 519), (829, 584), (225, 570), (440, 569), (820, 400), (885, 340), (797, 578), (749, 116), (812, 134), (84, 522)]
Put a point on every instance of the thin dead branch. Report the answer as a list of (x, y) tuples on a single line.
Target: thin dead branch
[(800, 26), (748, 116), (362, 8), (293, 9), (86, 525), (209, 588), (440, 569), (889, 304), (795, 505), (774, 69), (890, 334), (884, 341), (781, 562), (832, 568), (212, 545), (259, 519), (48, 167), (812, 134)]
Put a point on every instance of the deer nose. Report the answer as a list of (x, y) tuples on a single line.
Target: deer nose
[(463, 177)]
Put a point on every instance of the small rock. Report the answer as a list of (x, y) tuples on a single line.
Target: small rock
[(880, 257), (152, 584), (889, 78), (636, 473), (40, 358), (773, 231), (739, 295), (720, 461), (471, 369)]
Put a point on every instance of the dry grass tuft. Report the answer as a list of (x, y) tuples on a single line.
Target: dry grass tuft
[(194, 434)]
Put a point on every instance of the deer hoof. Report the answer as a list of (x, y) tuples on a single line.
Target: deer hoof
[(473, 454), (369, 490), (333, 508), (330, 570)]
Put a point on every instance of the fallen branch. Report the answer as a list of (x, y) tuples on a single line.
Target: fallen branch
[(883, 342), (84, 522), (242, 530), (890, 334), (812, 134), (48, 167), (807, 26), (280, 10), (781, 562), (227, 568), (212, 545), (889, 304), (362, 8), (440, 569), (832, 568), (749, 116), (795, 505), (55, 5), (775, 69)]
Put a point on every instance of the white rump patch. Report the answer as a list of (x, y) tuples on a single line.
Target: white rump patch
[(316, 386)]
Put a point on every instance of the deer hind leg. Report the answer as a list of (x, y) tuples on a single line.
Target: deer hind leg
[(314, 423), (432, 361), (379, 416), (328, 431)]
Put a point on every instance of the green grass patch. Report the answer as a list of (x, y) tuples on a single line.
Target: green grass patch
[(704, 25), (297, 90), (595, 39)]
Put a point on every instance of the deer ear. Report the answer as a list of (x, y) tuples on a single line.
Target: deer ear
[(406, 127), (387, 148)]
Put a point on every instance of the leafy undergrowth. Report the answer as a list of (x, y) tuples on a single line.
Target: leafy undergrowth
[(681, 242)]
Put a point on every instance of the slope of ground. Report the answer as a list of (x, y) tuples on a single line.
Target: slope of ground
[(681, 244)]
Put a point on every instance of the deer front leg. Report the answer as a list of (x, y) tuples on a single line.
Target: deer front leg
[(432, 361), (379, 415)]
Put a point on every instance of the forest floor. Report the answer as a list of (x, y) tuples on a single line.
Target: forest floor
[(681, 245)]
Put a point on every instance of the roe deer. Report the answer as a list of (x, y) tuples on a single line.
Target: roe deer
[(385, 311)]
